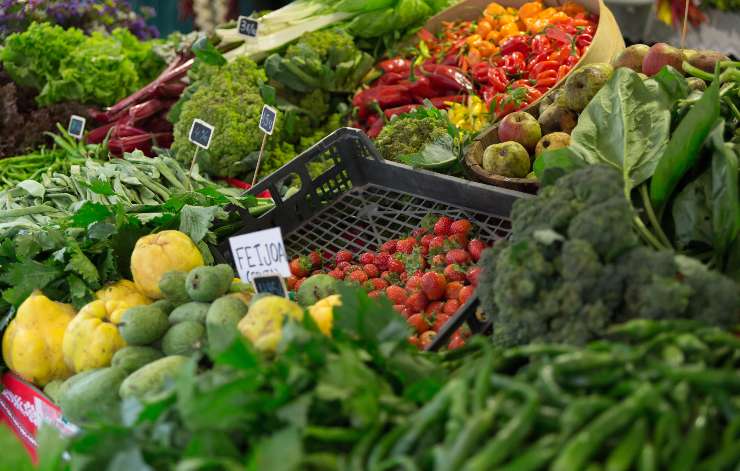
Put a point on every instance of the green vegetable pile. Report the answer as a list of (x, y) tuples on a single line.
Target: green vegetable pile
[(574, 267), (66, 65)]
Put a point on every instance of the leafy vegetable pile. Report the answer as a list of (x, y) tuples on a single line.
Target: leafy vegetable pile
[(66, 65)]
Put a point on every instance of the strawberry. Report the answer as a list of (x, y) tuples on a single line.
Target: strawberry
[(414, 340), (337, 274), (396, 266), (298, 283), (426, 240), (378, 283), (382, 261), (439, 321), (419, 324), (391, 277), (461, 226), (403, 277), (343, 266), (417, 302), (454, 272), (439, 261), (459, 256), (399, 308), (367, 258), (315, 259), (375, 294), (473, 274), (343, 256), (414, 282), (406, 245), (356, 276), (300, 267), (389, 247), (371, 270), (433, 285), (427, 338), (453, 290), (419, 232), (437, 244), (476, 247), (456, 342), (396, 294), (451, 306), (290, 282), (442, 226), (465, 293), (352, 268), (433, 308), (458, 241)]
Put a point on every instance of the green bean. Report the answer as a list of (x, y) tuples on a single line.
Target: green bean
[(534, 457), (482, 384), (648, 459), (586, 443), (709, 379), (667, 433), (380, 450), (333, 434), (643, 329), (693, 444), (451, 458), (583, 361), (550, 388), (457, 412), (628, 450), (580, 411), (723, 458), (360, 450), (515, 430), (731, 432)]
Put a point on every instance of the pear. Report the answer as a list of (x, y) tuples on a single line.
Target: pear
[(583, 84)]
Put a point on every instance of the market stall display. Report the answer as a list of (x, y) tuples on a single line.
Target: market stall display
[(406, 316)]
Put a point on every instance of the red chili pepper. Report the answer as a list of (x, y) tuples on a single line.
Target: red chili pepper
[(387, 96), (399, 110), (480, 72), (425, 35), (422, 88), (583, 40), (515, 44), (544, 65), (397, 65), (391, 78), (546, 82), (549, 73), (513, 63), (540, 44), (450, 59), (375, 129), (570, 61), (563, 71), (498, 79), (440, 102), (448, 77), (558, 34), (523, 83)]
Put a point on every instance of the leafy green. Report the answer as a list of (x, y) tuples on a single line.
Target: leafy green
[(692, 213), (553, 164), (624, 126), (725, 197)]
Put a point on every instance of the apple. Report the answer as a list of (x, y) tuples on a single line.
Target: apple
[(660, 55), (520, 127)]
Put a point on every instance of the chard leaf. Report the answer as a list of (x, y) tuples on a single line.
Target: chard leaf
[(624, 126)]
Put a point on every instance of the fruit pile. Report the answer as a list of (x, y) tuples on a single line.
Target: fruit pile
[(427, 275)]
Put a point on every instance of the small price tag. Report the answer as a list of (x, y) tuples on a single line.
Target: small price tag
[(260, 253), (247, 27), (201, 134), (267, 120), (272, 284), (76, 126)]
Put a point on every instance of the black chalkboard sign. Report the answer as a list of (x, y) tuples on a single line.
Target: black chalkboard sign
[(267, 120), (272, 284), (248, 27), (76, 126), (201, 133)]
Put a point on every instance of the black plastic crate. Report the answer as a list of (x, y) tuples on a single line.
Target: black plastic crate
[(350, 198)]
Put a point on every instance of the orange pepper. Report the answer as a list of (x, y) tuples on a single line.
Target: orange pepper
[(485, 48), (572, 8), (472, 39), (529, 9), (474, 56), (493, 36), (512, 11), (506, 19), (494, 9), (546, 13), (535, 26), (559, 17), (484, 27), (509, 29)]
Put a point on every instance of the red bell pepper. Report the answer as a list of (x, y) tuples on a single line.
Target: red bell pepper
[(447, 77), (422, 88), (515, 44), (391, 78), (397, 65)]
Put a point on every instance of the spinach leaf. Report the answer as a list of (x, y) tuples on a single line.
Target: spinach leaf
[(624, 126), (725, 200), (553, 164), (672, 84), (682, 151), (692, 214)]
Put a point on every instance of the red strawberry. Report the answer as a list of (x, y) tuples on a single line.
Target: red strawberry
[(399, 308), (371, 270), (475, 247), (389, 247), (391, 277), (453, 290), (473, 274), (406, 245), (426, 240), (433, 308), (461, 226), (396, 294), (456, 342), (298, 283), (343, 256), (290, 282), (459, 256), (352, 268), (465, 293), (458, 240), (433, 285), (439, 321), (396, 266), (427, 338), (300, 267), (315, 259), (437, 244), (417, 302), (367, 258), (404, 277), (382, 261), (414, 340), (375, 294), (439, 261), (418, 232), (442, 226), (418, 323), (454, 272), (356, 276), (337, 273), (379, 284), (451, 306), (414, 282)]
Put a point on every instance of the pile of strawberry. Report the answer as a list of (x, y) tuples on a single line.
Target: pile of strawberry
[(427, 276)]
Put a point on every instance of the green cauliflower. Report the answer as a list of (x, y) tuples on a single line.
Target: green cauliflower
[(405, 136), (574, 266), (232, 103)]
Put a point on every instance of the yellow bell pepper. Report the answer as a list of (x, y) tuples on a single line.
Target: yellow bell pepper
[(32, 343), (91, 338)]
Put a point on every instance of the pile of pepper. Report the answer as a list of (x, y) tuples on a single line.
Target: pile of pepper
[(509, 57)]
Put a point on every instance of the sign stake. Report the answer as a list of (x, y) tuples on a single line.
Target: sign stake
[(259, 159), (192, 166)]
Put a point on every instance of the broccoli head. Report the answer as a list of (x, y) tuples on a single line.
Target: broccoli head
[(406, 136), (574, 266), (323, 43), (231, 102)]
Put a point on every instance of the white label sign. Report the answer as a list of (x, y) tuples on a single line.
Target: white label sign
[(260, 253), (76, 126)]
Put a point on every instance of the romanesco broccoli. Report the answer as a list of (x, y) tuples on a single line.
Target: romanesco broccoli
[(409, 136)]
